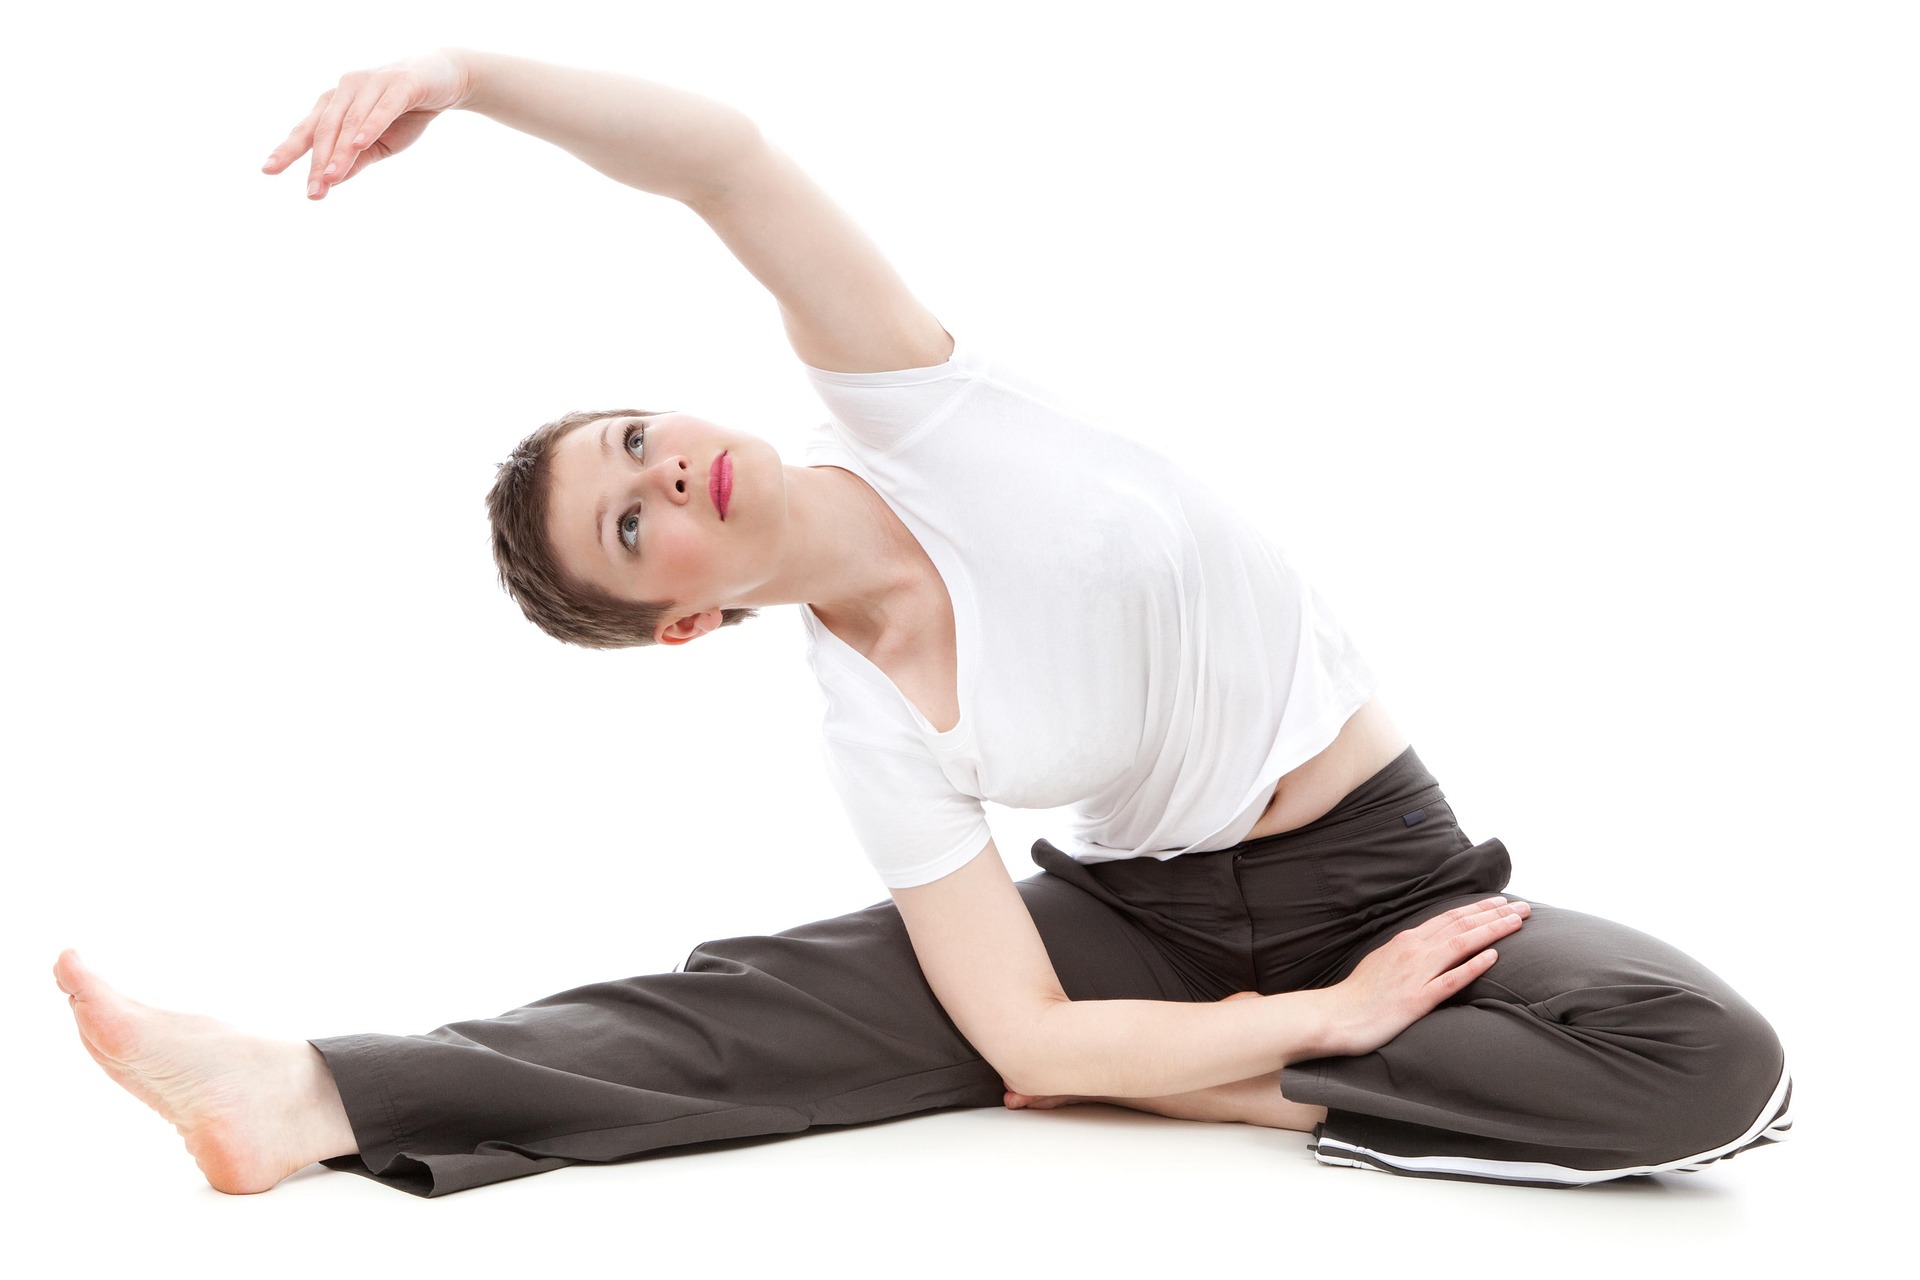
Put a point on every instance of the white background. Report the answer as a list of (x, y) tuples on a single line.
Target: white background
[(1569, 348)]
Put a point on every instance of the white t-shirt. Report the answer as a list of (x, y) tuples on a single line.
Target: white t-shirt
[(1127, 646)]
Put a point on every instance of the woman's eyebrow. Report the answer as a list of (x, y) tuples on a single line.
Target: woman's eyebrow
[(600, 509)]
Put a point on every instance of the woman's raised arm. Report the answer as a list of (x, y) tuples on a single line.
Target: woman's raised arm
[(844, 306)]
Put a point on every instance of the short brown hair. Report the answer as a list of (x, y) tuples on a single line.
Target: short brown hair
[(553, 599)]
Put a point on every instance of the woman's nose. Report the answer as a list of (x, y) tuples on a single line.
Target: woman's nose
[(673, 477)]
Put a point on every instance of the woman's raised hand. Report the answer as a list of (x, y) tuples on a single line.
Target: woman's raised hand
[(372, 115), (1403, 981)]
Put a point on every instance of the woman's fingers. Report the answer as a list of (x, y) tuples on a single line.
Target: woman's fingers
[(371, 115), (394, 101), (1481, 930), (1460, 977), (380, 116), (1465, 919), (374, 106), (1465, 948), (325, 168), (1457, 943), (1449, 919), (299, 138), (1512, 912), (350, 121), (1421, 968)]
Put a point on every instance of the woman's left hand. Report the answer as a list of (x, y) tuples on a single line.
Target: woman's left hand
[(372, 115), (1415, 972)]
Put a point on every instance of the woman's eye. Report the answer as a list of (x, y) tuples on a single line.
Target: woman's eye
[(637, 441), (630, 531)]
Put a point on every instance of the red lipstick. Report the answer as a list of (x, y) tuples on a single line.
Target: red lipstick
[(720, 484)]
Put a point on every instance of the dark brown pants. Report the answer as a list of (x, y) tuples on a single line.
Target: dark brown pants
[(1589, 1051)]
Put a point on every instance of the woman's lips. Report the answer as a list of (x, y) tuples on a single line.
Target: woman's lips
[(720, 484)]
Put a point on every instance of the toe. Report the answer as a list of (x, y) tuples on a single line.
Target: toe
[(107, 1020), (66, 970), (75, 978)]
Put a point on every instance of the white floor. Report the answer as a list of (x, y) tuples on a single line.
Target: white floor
[(959, 1193)]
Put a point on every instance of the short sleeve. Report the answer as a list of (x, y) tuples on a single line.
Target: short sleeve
[(912, 822), (884, 411)]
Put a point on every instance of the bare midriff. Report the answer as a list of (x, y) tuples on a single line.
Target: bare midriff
[(1366, 744)]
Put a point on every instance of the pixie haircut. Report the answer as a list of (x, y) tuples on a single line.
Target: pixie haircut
[(553, 599)]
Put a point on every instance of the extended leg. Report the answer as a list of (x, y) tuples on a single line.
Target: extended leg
[(827, 1024), (830, 1023)]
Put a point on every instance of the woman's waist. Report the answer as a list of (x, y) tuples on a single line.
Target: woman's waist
[(1146, 821), (1365, 746)]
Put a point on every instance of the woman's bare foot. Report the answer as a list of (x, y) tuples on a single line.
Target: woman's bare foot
[(1256, 1101), (251, 1110)]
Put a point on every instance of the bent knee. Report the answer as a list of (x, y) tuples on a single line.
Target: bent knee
[(1720, 1081)]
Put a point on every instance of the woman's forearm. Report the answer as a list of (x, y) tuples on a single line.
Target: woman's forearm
[(1148, 1048), (1145, 1048), (650, 136)]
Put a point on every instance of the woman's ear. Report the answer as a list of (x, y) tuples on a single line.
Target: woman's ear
[(691, 627)]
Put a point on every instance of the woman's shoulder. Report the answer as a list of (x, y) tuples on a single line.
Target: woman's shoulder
[(879, 411)]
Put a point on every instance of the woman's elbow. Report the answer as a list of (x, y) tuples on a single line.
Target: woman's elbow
[(1031, 1085), (1033, 1063), (1042, 1069)]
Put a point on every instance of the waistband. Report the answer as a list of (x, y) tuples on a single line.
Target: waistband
[(1389, 790)]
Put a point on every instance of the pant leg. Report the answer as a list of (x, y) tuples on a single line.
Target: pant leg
[(828, 1024), (1589, 1051)]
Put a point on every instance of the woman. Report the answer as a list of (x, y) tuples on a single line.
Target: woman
[(1268, 913)]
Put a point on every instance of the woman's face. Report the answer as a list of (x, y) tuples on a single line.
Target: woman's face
[(667, 508)]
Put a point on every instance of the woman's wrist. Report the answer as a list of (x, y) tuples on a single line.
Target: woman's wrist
[(468, 67), (1315, 1021)]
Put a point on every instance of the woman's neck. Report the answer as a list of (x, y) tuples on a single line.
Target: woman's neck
[(848, 556)]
